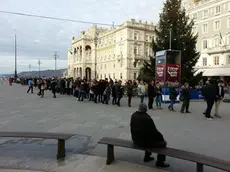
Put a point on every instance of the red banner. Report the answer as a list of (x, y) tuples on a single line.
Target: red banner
[(172, 73), (160, 72)]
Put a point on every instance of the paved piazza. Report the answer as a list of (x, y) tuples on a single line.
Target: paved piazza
[(90, 122)]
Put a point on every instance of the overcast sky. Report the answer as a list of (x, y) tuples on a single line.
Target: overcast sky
[(40, 38)]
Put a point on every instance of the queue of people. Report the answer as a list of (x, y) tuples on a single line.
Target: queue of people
[(109, 91)]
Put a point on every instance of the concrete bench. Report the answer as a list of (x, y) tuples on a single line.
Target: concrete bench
[(61, 137), (199, 159)]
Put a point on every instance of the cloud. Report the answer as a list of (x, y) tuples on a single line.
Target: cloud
[(40, 38)]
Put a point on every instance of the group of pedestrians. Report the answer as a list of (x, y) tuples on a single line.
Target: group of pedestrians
[(213, 93)]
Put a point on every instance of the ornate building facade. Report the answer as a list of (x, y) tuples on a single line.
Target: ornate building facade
[(116, 53), (212, 23)]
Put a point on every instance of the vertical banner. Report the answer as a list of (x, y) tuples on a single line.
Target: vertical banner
[(160, 72), (172, 73)]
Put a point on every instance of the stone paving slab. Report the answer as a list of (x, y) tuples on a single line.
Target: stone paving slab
[(28, 112), (83, 163)]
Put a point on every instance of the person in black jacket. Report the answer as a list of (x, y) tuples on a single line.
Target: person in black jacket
[(172, 96), (129, 92), (210, 95), (151, 94), (145, 134), (53, 86), (185, 93)]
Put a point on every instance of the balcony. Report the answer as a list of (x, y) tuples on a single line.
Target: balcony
[(219, 50)]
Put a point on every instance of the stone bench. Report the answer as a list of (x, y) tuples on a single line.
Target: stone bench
[(199, 159), (61, 137)]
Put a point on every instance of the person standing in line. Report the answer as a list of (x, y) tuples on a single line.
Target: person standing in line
[(10, 81), (107, 93), (141, 91), (114, 93), (43, 87), (172, 96), (220, 96), (70, 86), (119, 92), (39, 86), (158, 96), (129, 92), (151, 94), (81, 91), (30, 86), (53, 86), (185, 94)]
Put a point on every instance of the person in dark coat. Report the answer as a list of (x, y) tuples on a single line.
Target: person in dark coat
[(172, 96), (119, 93), (53, 86), (145, 134), (185, 94), (114, 93), (151, 94), (129, 92), (210, 95)]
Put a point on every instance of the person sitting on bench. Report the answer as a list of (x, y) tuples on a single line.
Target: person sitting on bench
[(145, 134)]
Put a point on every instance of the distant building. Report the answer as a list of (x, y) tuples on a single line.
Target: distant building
[(212, 23), (117, 52)]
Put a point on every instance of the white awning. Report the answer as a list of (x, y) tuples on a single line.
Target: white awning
[(215, 72)]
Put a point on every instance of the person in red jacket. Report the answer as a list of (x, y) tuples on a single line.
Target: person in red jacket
[(10, 81)]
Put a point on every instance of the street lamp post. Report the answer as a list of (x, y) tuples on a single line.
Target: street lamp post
[(15, 58), (30, 68), (55, 63), (39, 63)]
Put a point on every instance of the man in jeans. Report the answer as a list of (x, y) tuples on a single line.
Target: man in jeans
[(210, 95), (30, 85), (81, 91), (141, 91)]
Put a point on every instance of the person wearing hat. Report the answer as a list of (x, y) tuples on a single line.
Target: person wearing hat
[(145, 134)]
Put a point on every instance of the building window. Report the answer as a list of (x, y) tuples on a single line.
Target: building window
[(217, 25), (135, 36), (228, 59), (105, 75), (101, 76), (147, 38), (146, 51), (114, 76), (205, 61), (109, 76), (205, 44), (135, 76), (113, 65), (228, 22), (205, 13), (205, 28), (229, 6), (105, 66), (216, 60), (228, 40), (135, 51), (101, 66), (216, 42), (120, 75), (217, 11), (194, 16)]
